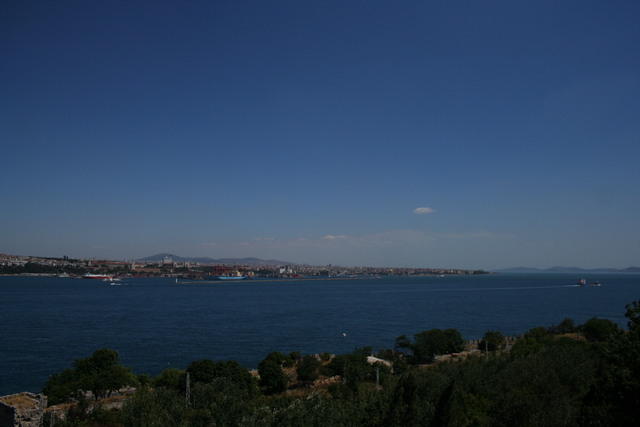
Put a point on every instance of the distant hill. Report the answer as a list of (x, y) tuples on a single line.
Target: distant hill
[(207, 260), (559, 269)]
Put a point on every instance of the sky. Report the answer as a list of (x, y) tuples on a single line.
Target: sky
[(414, 133)]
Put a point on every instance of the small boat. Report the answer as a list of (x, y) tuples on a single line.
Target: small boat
[(595, 284), (582, 282)]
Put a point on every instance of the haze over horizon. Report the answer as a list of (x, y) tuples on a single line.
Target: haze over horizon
[(484, 135)]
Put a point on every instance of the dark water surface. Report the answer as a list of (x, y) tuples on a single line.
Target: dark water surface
[(46, 323)]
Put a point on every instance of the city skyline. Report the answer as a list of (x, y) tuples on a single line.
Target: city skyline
[(487, 135)]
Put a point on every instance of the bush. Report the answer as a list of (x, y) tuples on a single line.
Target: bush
[(101, 374), (308, 369), (171, 378), (492, 341), (207, 371), (272, 378), (565, 327), (430, 343), (596, 330)]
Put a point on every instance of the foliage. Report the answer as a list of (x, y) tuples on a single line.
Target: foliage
[(171, 378), (280, 358), (567, 326), (633, 316), (325, 357), (428, 344), (548, 378), (100, 374), (208, 371), (272, 378), (492, 341), (596, 330), (155, 408), (295, 356), (308, 368)]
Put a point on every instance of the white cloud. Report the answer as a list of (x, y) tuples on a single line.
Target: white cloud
[(334, 237), (423, 211)]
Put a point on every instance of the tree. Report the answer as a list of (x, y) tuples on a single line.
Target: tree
[(402, 342), (208, 371), (154, 408), (537, 333), (428, 344), (492, 341), (62, 386), (171, 378), (599, 329), (567, 326), (100, 374), (308, 369), (272, 378), (633, 314)]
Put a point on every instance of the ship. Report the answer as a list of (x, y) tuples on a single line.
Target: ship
[(97, 276), (231, 277), (582, 282)]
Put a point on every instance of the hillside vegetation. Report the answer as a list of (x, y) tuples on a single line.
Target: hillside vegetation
[(565, 375)]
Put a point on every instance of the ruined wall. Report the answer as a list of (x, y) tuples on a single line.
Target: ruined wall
[(22, 410)]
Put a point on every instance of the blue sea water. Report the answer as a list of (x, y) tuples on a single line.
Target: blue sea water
[(46, 323)]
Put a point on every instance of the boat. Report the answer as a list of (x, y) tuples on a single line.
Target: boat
[(582, 282), (97, 276), (595, 284), (231, 277)]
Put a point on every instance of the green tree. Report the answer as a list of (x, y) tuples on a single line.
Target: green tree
[(62, 386), (633, 316), (272, 378), (596, 329), (567, 326), (308, 369), (207, 371), (155, 408), (492, 341), (279, 358), (171, 378), (100, 374), (428, 344), (402, 343)]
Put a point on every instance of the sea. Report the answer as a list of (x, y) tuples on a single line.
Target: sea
[(155, 323)]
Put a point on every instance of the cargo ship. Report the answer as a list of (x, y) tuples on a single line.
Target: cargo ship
[(231, 277)]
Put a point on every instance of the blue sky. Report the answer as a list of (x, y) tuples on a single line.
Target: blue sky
[(311, 131)]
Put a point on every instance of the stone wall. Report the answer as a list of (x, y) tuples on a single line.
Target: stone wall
[(22, 410)]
